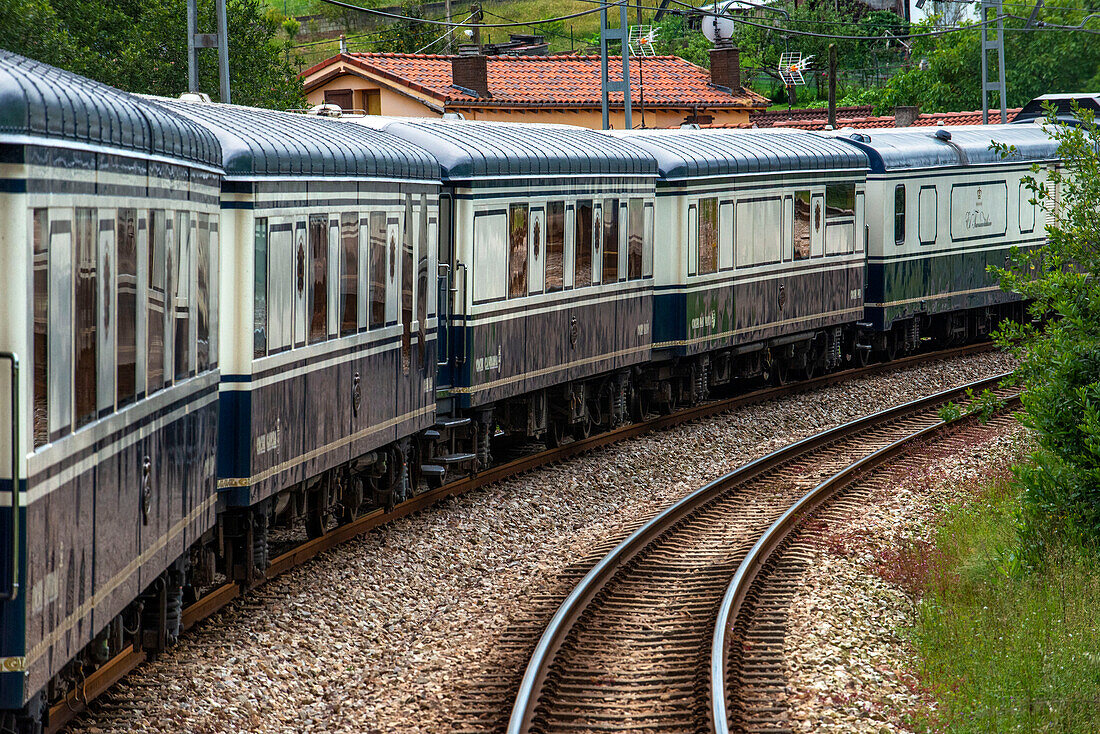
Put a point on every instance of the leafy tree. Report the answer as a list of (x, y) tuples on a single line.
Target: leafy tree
[(1059, 369), (141, 45), (1036, 62)]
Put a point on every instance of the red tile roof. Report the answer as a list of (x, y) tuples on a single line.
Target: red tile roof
[(541, 81), (817, 118)]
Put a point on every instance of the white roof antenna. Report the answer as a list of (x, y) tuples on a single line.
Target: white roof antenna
[(641, 39), (791, 66)]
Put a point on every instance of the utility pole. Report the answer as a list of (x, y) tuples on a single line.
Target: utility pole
[(993, 10), (475, 11), (832, 86), (196, 40), (606, 85), (450, 38)]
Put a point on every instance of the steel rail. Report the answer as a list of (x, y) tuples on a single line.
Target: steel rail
[(773, 538), (214, 600), (574, 606)]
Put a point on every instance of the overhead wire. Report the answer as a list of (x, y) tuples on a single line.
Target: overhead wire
[(432, 21)]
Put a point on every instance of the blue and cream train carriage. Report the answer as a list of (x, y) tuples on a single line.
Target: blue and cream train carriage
[(944, 207), (759, 256), (548, 232), (329, 350), (109, 247)]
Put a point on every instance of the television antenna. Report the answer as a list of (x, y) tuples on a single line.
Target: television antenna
[(641, 40), (791, 66)]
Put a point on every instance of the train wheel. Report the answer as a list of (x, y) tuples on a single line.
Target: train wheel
[(582, 429), (639, 406), (780, 372), (891, 350), (556, 433), (810, 371)]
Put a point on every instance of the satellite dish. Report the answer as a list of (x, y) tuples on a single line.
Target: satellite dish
[(717, 26)]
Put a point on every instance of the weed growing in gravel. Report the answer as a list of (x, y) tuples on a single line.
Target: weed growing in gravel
[(1004, 648)]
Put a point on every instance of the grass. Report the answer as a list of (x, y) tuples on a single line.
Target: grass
[(1003, 650)]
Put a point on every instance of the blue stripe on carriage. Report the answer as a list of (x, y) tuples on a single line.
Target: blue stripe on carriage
[(13, 185), (234, 434)]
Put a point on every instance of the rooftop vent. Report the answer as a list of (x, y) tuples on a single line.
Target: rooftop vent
[(194, 97), (943, 135), (325, 110)]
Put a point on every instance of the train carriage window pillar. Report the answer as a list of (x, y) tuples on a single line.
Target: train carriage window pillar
[(899, 214), (85, 317), (127, 310), (157, 302), (181, 297), (377, 269)]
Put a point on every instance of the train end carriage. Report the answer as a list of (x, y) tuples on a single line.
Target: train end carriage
[(329, 320), (944, 207), (548, 235), (108, 377), (759, 257)]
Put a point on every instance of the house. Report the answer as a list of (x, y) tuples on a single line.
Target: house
[(668, 90)]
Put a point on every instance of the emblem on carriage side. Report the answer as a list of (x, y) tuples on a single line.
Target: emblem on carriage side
[(301, 264), (782, 298), (596, 231), (574, 332), (536, 235), (356, 394)]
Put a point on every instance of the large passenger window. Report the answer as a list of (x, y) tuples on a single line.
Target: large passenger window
[(202, 294), (555, 245), (635, 238), (259, 290), (899, 214), (490, 256), (349, 273), (377, 270), (708, 236), (801, 225), (582, 270), (840, 212), (318, 263), (84, 317), (126, 298), (182, 296), (611, 240), (157, 301), (40, 243), (517, 250)]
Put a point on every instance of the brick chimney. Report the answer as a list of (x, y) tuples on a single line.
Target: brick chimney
[(725, 67), (905, 116), (469, 70)]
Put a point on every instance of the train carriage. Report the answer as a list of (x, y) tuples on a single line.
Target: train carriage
[(548, 231), (329, 323), (759, 255), (944, 207), (109, 247)]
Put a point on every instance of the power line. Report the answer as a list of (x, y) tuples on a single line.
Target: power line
[(449, 32), (430, 21)]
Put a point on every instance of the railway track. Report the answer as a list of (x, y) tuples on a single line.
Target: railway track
[(642, 643), (118, 667)]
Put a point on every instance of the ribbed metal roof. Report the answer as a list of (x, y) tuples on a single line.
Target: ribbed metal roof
[(473, 149), (684, 154), (257, 142), (918, 147), (39, 100)]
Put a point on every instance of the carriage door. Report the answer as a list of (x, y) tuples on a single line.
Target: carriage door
[(300, 275)]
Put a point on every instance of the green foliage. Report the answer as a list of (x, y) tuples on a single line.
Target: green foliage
[(1039, 62), (141, 45), (1059, 369), (950, 411), (407, 36), (984, 405), (999, 649)]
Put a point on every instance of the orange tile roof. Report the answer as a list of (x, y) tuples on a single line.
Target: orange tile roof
[(804, 120), (542, 81)]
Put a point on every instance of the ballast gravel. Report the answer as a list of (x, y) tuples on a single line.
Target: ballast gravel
[(378, 634), (850, 665)]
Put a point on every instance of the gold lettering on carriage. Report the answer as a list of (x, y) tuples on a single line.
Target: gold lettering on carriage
[(707, 320), (489, 362)]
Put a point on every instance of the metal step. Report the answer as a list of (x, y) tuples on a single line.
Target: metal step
[(433, 470), (452, 422), (455, 458), (431, 434)]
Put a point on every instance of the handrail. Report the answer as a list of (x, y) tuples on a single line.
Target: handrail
[(571, 609), (13, 586), (757, 556)]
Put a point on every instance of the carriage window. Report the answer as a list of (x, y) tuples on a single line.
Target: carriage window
[(635, 237), (126, 298), (517, 250), (422, 271), (801, 225), (349, 273), (202, 294), (318, 263), (647, 243), (840, 212), (41, 266), (84, 315), (555, 245), (1027, 210), (377, 270), (610, 240), (899, 214), (155, 307), (182, 293), (708, 236), (259, 290), (582, 271)]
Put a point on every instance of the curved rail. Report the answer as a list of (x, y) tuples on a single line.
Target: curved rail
[(596, 579), (769, 542)]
